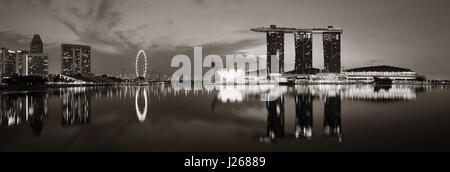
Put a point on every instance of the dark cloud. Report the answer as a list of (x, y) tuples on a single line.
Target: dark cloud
[(32, 4), (97, 25), (15, 41), (200, 2)]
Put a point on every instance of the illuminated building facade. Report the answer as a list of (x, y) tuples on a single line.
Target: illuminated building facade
[(4, 54), (37, 64), (367, 74), (303, 52), (76, 59), (332, 52), (303, 47), (12, 62), (275, 48)]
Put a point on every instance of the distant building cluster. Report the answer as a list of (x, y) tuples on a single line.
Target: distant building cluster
[(24, 62), (332, 71), (76, 59)]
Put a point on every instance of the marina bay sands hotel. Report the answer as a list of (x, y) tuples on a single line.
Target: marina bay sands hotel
[(303, 48)]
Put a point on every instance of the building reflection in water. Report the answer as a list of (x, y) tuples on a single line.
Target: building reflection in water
[(141, 112), (30, 109), (275, 120), (24, 109), (76, 106), (303, 117), (332, 118)]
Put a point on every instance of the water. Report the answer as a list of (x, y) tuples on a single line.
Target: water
[(235, 118)]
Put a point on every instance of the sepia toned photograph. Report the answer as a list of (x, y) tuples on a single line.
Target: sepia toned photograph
[(230, 76)]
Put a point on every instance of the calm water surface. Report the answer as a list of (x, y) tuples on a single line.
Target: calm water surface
[(233, 118)]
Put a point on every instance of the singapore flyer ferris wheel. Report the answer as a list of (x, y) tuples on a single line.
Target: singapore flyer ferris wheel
[(144, 73)]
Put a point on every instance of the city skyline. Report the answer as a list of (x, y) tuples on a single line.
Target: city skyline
[(409, 34)]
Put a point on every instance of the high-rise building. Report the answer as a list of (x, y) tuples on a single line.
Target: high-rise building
[(3, 54), (12, 62), (36, 46), (303, 48), (332, 52), (8, 62), (21, 60), (275, 48), (37, 64), (303, 52), (76, 59)]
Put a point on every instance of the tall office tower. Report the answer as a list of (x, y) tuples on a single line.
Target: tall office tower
[(275, 119), (275, 47), (303, 52), (36, 46), (332, 52), (37, 64), (332, 120), (304, 117), (76, 59), (7, 62), (10, 64), (3, 55)]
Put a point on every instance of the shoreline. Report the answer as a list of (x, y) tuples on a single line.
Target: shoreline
[(56, 86)]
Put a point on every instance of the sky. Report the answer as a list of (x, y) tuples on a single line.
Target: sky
[(405, 33)]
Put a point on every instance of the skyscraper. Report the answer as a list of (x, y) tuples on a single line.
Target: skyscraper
[(21, 60), (3, 54), (332, 51), (76, 59), (10, 64), (275, 48), (303, 52), (7, 62), (36, 61), (36, 46)]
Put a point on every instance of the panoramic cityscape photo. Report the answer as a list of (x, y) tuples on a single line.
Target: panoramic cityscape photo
[(224, 76)]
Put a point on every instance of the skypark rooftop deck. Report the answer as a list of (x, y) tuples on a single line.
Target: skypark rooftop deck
[(330, 29)]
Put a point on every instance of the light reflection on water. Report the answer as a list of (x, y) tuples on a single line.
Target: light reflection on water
[(30, 109)]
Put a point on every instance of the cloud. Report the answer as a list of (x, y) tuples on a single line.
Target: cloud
[(200, 2), (14, 41), (95, 23)]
